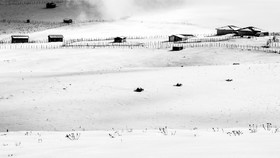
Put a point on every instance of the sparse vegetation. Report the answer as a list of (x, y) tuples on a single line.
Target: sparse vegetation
[(253, 128), (235, 133), (165, 131), (73, 136)]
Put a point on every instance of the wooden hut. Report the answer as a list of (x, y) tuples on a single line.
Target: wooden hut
[(55, 38), (20, 38), (67, 21), (120, 39), (177, 48), (179, 37), (50, 5), (229, 29), (252, 31)]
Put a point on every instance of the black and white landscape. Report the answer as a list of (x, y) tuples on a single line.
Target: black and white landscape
[(139, 78)]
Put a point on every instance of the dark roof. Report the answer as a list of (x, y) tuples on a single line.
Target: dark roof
[(180, 36), (188, 35), (229, 27), (20, 36), (183, 36), (121, 37), (246, 29), (252, 28)]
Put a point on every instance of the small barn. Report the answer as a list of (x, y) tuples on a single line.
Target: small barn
[(120, 39), (20, 39), (229, 29), (50, 5), (252, 31), (67, 21), (55, 38), (177, 48), (179, 37)]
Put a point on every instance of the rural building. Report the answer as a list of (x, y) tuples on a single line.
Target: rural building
[(230, 29), (179, 37), (67, 21), (177, 48), (252, 31), (50, 5), (55, 38), (20, 39), (246, 32), (120, 39)]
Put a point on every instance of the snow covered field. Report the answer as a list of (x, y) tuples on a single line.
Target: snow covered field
[(90, 92), (93, 88), (141, 143)]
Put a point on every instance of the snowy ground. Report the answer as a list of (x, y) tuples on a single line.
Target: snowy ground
[(141, 143), (91, 91), (93, 88)]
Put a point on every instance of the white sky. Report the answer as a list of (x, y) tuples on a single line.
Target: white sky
[(262, 13)]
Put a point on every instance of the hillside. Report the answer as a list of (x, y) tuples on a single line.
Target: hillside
[(191, 17)]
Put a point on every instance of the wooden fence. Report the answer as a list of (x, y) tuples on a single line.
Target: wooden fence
[(30, 46), (169, 45), (148, 45), (91, 43), (163, 37)]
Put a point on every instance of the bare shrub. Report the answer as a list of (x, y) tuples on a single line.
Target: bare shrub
[(73, 136)]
